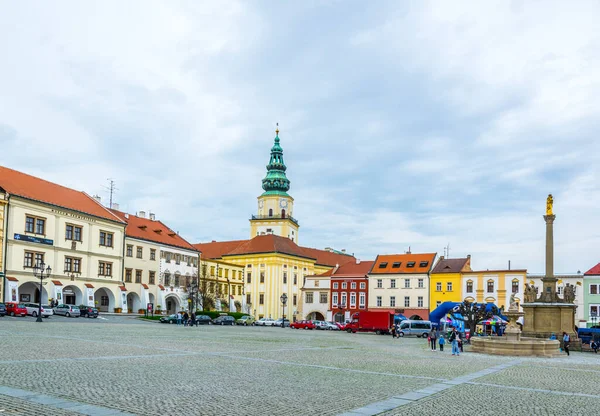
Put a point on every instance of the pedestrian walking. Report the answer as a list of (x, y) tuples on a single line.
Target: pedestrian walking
[(433, 339), (192, 319), (397, 327), (566, 341), (442, 342), (594, 345), (178, 318), (186, 318), (454, 338)]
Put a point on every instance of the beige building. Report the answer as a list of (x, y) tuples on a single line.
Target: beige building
[(316, 296), (2, 238), (69, 231)]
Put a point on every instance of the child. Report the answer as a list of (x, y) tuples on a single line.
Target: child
[(442, 341)]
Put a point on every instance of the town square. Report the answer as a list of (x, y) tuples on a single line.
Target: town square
[(310, 208)]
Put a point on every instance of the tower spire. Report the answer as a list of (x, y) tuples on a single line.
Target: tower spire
[(276, 183)]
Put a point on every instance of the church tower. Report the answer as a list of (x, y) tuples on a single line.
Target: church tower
[(275, 206)]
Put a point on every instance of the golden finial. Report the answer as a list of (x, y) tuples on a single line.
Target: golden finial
[(277, 129), (549, 203)]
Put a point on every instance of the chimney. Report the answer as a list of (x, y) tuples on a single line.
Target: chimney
[(126, 215), (213, 241), (98, 198), (441, 257), (142, 214), (115, 206), (152, 216), (344, 250), (357, 261)]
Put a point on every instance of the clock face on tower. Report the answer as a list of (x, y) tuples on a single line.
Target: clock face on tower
[(283, 203)]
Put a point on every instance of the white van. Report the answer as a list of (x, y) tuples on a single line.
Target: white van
[(418, 328)]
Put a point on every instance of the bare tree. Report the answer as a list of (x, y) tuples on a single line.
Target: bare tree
[(472, 313), (205, 288)]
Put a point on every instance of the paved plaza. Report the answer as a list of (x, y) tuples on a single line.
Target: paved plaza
[(121, 365)]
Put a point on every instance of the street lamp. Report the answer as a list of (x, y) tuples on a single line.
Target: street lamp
[(41, 273), (283, 299)]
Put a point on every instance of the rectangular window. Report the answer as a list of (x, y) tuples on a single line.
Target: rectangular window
[(344, 285), (593, 289), (151, 278), (248, 299), (407, 283), (469, 286), (383, 265), (72, 232), (295, 300), (353, 285), (29, 224), (69, 232), (106, 239), (323, 297), (295, 278), (104, 268), (362, 300), (40, 226), (284, 278), (72, 265), (379, 283), (77, 233), (392, 301), (28, 261), (410, 264), (240, 275), (393, 284), (515, 287), (178, 259), (406, 301), (39, 258), (129, 252), (421, 283), (177, 283), (128, 273), (139, 252), (138, 276), (309, 297), (438, 286), (335, 285), (379, 301), (363, 285), (396, 265), (168, 257), (261, 299), (490, 286), (249, 278), (353, 300), (262, 277), (343, 303), (420, 301), (226, 273), (334, 299), (449, 286), (152, 254)]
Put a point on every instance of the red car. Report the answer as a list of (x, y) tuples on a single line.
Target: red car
[(14, 309), (341, 326), (302, 325)]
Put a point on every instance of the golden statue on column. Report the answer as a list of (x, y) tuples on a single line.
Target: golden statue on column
[(549, 202)]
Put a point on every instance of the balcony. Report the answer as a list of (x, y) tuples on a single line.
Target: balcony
[(275, 217)]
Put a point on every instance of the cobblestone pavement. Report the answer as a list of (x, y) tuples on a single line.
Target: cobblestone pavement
[(157, 369)]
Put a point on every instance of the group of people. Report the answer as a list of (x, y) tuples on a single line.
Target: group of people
[(187, 320), (454, 337)]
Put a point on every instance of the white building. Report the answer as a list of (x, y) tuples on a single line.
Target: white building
[(69, 231), (316, 296)]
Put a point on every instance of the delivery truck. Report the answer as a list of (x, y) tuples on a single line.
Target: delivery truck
[(379, 322)]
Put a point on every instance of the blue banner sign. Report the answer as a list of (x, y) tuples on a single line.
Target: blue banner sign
[(30, 239)]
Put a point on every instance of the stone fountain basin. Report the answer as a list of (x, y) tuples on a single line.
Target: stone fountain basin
[(525, 347)]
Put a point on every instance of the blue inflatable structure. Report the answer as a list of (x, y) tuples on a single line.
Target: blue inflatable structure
[(447, 314)]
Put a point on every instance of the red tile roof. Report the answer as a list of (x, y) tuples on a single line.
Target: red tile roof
[(151, 230), (57, 282), (452, 265), (217, 249), (161, 287), (352, 269), (419, 263), (594, 271), (144, 285), (271, 243), (123, 288), (30, 187), (89, 285), (12, 279)]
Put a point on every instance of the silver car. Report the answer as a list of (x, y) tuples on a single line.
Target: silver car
[(33, 308), (332, 326), (67, 310), (321, 325)]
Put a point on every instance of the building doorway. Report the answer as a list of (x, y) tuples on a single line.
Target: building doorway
[(172, 304), (30, 292), (133, 302), (104, 300), (72, 295)]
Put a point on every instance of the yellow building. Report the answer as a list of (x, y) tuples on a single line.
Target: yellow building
[(272, 260), (2, 238), (446, 279), (494, 286), (221, 285)]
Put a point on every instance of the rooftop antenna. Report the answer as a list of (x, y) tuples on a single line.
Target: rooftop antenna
[(111, 190), (447, 251)]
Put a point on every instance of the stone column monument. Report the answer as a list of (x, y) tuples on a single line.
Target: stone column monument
[(548, 314)]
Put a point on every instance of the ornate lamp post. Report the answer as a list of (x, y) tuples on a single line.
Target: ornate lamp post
[(41, 273), (283, 299)]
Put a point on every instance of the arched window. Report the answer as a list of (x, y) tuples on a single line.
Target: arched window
[(283, 213), (270, 212), (490, 286), (167, 279), (469, 286)]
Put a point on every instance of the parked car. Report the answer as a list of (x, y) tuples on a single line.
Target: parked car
[(88, 311), (67, 310), (2, 309), (280, 321), (224, 320), (265, 322), (322, 325), (203, 320), (341, 325), (32, 309), (303, 325), (14, 309), (332, 326), (245, 320), (171, 319), (418, 328)]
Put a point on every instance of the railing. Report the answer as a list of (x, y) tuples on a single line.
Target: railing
[(275, 217)]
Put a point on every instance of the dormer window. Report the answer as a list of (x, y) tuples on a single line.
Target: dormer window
[(410, 264), (143, 227), (383, 265), (172, 234), (423, 264), (396, 265), (158, 231)]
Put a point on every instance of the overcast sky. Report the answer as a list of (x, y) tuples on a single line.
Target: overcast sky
[(403, 124)]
